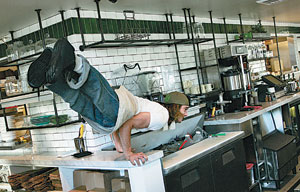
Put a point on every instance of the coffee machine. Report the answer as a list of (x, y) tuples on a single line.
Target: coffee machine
[(232, 85), (235, 76)]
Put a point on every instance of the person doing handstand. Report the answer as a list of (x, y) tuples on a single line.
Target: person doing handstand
[(106, 110)]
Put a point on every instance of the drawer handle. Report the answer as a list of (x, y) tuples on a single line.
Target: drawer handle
[(227, 157)]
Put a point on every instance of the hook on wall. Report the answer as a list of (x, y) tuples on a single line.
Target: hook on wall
[(126, 67)]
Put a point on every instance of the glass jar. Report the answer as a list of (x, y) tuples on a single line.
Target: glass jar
[(12, 86)]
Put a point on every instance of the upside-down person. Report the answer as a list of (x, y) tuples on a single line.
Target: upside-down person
[(106, 110)]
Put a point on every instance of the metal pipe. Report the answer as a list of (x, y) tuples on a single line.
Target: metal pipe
[(99, 20), (38, 11), (186, 23), (64, 23), (80, 28), (215, 46), (55, 110), (194, 49), (12, 36), (168, 26), (242, 30), (243, 79), (277, 46), (176, 51), (5, 119), (225, 28), (198, 50)]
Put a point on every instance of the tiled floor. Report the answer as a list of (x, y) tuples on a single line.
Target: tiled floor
[(291, 183)]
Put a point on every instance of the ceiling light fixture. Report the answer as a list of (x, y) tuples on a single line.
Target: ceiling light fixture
[(268, 2)]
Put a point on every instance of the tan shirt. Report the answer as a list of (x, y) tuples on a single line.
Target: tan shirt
[(130, 105)]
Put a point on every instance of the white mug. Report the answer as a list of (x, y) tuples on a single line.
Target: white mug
[(195, 89), (187, 84), (209, 87), (203, 89), (187, 90)]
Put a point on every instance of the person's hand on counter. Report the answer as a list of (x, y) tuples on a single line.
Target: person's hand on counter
[(135, 158), (138, 121)]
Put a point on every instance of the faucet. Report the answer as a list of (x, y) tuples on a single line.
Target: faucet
[(222, 103)]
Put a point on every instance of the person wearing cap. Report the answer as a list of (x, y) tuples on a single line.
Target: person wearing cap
[(106, 110)]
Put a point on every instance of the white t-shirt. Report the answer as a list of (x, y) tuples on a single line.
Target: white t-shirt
[(159, 115)]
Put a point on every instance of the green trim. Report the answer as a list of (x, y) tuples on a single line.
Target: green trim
[(118, 26)]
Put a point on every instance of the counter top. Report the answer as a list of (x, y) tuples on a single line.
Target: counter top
[(198, 150), (110, 160), (240, 117)]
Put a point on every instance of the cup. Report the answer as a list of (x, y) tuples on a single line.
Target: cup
[(195, 89), (209, 87), (187, 90), (203, 89), (187, 84), (79, 145)]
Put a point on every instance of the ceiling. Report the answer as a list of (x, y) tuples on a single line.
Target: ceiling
[(17, 14)]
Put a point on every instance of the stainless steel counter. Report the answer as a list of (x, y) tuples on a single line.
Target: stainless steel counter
[(241, 117), (198, 150)]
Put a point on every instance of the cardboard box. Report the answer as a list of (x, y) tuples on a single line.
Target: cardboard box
[(97, 190), (95, 180), (275, 65), (79, 189)]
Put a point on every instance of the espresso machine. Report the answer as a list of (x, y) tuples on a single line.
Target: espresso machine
[(236, 79)]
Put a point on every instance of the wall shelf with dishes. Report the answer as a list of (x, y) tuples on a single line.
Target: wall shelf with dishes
[(27, 114)]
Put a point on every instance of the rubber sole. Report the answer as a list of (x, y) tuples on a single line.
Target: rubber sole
[(63, 58), (36, 75)]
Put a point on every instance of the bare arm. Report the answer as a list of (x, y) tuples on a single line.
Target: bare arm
[(115, 137), (141, 120)]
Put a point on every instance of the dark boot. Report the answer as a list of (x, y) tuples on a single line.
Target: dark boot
[(36, 75), (62, 60)]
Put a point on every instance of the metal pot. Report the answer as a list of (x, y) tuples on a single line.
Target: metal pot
[(231, 80)]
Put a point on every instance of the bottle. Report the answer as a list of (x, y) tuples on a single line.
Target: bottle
[(197, 137)]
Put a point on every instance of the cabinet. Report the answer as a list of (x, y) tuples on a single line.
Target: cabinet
[(221, 170), (291, 114), (192, 177), (229, 168)]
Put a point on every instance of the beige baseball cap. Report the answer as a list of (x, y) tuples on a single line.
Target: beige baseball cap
[(176, 98)]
